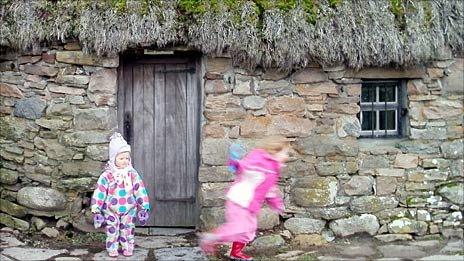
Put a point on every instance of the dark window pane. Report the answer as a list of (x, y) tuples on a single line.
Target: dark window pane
[(368, 120), (388, 93), (368, 94), (390, 120)]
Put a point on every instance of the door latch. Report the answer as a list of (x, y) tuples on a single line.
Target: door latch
[(127, 127)]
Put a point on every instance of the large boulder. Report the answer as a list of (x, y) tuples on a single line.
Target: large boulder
[(304, 225), (29, 108), (356, 224), (41, 198), (454, 192)]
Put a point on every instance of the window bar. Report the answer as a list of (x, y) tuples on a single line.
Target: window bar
[(372, 109), (385, 98)]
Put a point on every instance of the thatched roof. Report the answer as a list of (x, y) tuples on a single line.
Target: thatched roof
[(269, 33)]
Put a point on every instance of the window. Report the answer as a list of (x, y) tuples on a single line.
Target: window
[(382, 111)]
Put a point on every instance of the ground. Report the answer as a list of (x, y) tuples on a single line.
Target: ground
[(181, 244)]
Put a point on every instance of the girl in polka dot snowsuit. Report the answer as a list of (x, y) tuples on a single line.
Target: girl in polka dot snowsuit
[(120, 192)]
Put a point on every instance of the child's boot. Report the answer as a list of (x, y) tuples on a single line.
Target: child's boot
[(236, 252), (129, 251), (113, 254)]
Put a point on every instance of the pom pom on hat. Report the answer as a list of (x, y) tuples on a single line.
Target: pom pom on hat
[(117, 145)]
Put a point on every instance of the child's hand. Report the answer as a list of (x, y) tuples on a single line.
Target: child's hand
[(98, 220), (143, 217)]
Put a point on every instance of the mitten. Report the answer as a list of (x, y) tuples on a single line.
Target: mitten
[(98, 220), (143, 216), (236, 152)]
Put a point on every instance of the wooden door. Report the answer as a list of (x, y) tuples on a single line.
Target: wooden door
[(158, 113)]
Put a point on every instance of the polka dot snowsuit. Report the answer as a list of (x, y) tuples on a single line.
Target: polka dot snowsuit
[(119, 204)]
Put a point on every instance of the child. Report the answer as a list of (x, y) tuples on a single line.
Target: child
[(256, 180), (119, 194)]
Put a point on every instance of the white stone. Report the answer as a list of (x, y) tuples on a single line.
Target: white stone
[(20, 253), (139, 254), (179, 253)]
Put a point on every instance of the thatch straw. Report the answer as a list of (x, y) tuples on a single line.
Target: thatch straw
[(357, 33)]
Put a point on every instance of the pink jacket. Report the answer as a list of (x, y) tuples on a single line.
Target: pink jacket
[(256, 182)]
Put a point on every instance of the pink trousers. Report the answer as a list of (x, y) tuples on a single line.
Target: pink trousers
[(240, 225)]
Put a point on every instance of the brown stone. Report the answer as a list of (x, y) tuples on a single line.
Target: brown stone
[(218, 65), (359, 185), (314, 89), (353, 90), (222, 102), (6, 110), (286, 105), (28, 59), (214, 131), (435, 72), (346, 108), (254, 126), (102, 99), (66, 90), (390, 172), (417, 87), (104, 80), (73, 80), (308, 240), (225, 115), (454, 82), (423, 97), (40, 70), (385, 73), (289, 126), (9, 90), (315, 107), (213, 76), (406, 161), (442, 109), (216, 87), (78, 57), (385, 185), (309, 75), (48, 57)]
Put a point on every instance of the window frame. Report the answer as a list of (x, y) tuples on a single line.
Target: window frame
[(378, 106)]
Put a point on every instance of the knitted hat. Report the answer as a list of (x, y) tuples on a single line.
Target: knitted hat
[(117, 145)]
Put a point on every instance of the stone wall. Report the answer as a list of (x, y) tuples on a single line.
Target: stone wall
[(57, 112), (58, 107), (337, 184)]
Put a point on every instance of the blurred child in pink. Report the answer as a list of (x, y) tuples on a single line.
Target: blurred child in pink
[(119, 195), (256, 180)]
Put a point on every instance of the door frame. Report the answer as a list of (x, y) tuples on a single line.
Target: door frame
[(136, 56)]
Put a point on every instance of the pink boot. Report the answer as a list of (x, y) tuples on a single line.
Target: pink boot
[(113, 254), (236, 252), (129, 251)]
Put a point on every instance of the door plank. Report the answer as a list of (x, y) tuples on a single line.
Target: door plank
[(120, 96), (138, 119), (148, 131), (175, 129), (128, 95), (160, 132)]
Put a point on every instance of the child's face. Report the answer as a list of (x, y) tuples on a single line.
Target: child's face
[(282, 155), (122, 160)]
